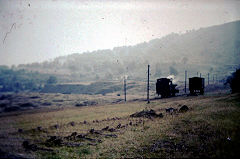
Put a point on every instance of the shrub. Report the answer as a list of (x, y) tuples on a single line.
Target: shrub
[(234, 81)]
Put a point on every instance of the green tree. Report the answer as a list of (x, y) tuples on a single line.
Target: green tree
[(233, 80)]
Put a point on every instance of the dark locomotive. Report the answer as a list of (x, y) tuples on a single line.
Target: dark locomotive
[(166, 88), (196, 85)]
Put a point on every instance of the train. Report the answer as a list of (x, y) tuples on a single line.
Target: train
[(166, 88), (196, 85)]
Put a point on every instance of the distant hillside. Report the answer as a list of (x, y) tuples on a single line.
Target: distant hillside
[(214, 49)]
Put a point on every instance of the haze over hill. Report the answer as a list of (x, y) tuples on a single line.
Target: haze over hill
[(36, 30), (213, 49)]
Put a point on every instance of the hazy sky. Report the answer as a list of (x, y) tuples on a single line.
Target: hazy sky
[(38, 30)]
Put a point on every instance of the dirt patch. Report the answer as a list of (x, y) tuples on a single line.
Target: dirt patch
[(34, 97), (3, 97), (11, 109), (27, 105), (147, 114), (183, 109), (171, 110), (8, 155), (93, 137), (56, 126), (106, 128), (58, 100), (86, 103), (46, 104), (169, 146), (54, 141), (3, 105), (72, 123), (33, 147)]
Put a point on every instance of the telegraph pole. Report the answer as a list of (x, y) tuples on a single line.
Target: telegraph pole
[(197, 74), (148, 100), (125, 90), (208, 78), (185, 88), (200, 75)]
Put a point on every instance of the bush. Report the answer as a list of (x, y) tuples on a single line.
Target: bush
[(234, 81)]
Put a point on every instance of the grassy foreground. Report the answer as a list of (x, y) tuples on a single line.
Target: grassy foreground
[(209, 129)]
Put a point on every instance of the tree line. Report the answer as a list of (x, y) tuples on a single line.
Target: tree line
[(12, 80)]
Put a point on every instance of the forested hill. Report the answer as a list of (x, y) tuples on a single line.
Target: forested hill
[(214, 49)]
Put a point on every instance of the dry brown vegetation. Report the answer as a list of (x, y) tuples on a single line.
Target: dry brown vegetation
[(209, 129)]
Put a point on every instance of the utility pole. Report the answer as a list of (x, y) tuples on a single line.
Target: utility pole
[(185, 88), (148, 100), (125, 90), (197, 74), (200, 75), (213, 79), (208, 78)]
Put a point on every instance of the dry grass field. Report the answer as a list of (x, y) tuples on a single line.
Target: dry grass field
[(210, 128)]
